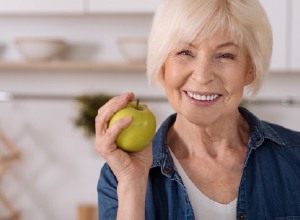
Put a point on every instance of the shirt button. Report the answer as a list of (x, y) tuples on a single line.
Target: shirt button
[(242, 216), (167, 170)]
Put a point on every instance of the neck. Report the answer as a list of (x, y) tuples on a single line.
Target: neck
[(187, 139)]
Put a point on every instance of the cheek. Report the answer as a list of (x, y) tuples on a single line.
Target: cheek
[(173, 77), (237, 77), (236, 83), (232, 81)]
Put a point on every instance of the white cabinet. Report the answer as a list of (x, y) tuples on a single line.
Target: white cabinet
[(121, 6), (295, 29), (40, 6), (277, 13), (77, 6)]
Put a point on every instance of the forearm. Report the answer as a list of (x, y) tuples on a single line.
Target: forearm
[(131, 200)]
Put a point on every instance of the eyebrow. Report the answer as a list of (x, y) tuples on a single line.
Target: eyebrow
[(227, 44)]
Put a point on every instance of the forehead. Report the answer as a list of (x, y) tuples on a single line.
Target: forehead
[(215, 42)]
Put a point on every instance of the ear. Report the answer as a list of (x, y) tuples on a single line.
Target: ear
[(250, 76), (162, 73)]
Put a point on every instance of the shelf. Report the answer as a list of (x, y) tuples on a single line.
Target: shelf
[(73, 66)]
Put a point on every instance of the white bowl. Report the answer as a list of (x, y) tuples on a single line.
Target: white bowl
[(133, 49), (41, 49)]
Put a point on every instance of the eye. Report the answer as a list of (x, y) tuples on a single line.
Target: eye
[(227, 56), (185, 53)]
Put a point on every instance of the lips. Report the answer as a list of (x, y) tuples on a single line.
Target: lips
[(203, 97)]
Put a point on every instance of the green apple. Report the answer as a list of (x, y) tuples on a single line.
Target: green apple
[(141, 130)]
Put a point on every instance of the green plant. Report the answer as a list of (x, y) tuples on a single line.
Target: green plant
[(88, 110)]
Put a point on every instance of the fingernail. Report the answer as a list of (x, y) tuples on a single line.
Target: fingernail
[(127, 118)]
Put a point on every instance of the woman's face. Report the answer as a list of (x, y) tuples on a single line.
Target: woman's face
[(205, 81)]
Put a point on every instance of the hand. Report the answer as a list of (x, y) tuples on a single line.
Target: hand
[(127, 167)]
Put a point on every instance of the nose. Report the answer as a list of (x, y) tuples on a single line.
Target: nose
[(203, 72)]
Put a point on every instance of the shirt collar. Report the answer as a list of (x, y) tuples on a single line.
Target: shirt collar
[(259, 132), (161, 154)]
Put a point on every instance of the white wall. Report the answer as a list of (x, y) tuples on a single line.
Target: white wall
[(280, 87), (59, 168)]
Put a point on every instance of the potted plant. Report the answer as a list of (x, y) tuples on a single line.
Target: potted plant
[(88, 110)]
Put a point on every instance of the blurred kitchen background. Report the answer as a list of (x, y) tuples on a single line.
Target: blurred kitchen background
[(52, 52)]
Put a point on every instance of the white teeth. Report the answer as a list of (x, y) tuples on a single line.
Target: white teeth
[(202, 97)]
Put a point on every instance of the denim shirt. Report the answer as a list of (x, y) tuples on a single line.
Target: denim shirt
[(269, 186)]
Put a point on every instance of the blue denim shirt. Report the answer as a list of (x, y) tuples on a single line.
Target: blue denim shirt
[(269, 186)]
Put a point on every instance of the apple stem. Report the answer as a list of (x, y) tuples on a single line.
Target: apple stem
[(137, 103)]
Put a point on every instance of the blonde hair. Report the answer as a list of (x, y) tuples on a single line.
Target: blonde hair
[(178, 21)]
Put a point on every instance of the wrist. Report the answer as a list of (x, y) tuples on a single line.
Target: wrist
[(132, 186), (132, 199)]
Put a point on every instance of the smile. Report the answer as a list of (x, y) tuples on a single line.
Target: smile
[(202, 97)]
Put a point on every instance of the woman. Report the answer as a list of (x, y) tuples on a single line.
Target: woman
[(212, 159)]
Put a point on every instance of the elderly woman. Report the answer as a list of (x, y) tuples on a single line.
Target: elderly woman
[(212, 159)]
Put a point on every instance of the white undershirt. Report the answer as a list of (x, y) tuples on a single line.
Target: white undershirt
[(204, 208)]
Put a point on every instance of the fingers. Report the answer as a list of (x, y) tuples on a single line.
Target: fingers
[(107, 111), (144, 155), (105, 144), (105, 137)]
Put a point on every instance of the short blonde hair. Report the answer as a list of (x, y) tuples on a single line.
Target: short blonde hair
[(178, 21)]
